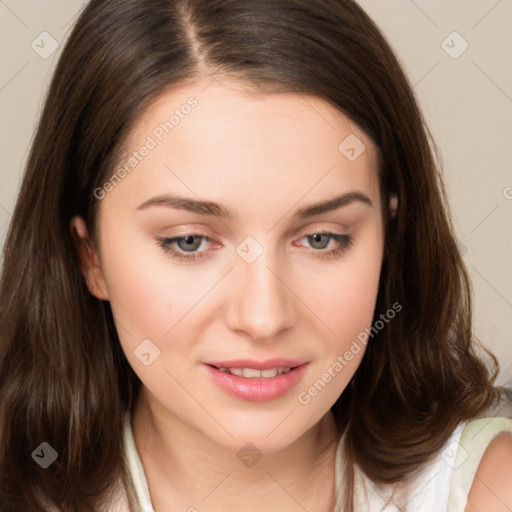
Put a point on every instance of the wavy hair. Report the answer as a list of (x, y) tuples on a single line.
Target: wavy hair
[(63, 376)]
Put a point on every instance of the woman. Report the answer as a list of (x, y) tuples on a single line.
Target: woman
[(231, 279)]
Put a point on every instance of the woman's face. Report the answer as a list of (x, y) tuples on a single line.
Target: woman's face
[(211, 255)]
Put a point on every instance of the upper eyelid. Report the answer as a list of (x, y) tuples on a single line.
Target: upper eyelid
[(319, 231), (303, 232)]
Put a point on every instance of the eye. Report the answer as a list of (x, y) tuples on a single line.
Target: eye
[(179, 246), (320, 241), (185, 248)]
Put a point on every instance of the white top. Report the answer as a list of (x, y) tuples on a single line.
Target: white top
[(443, 485)]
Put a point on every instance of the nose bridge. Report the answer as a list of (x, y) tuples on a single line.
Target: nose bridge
[(261, 304)]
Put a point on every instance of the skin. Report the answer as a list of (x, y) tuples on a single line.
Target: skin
[(264, 157), (491, 489)]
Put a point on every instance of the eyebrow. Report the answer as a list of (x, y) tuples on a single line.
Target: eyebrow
[(217, 210)]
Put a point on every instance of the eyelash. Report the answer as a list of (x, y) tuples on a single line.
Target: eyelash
[(344, 242)]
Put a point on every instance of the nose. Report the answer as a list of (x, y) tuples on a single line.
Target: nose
[(261, 302)]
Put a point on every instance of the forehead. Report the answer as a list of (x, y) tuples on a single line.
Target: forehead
[(217, 140)]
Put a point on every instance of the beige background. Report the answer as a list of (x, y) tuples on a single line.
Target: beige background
[(466, 97)]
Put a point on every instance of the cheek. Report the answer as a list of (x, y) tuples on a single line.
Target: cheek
[(345, 295), (345, 302), (136, 293), (346, 305), (148, 292)]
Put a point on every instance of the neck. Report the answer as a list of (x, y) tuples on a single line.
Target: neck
[(186, 470)]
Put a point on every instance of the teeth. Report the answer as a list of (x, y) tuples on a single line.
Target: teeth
[(251, 373)]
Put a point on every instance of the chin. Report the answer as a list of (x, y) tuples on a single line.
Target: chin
[(270, 432)]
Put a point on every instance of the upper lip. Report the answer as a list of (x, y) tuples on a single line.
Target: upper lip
[(258, 365)]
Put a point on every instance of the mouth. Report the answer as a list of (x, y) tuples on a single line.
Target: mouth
[(254, 373), (256, 381)]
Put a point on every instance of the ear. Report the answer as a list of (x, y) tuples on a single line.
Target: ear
[(393, 206), (89, 259)]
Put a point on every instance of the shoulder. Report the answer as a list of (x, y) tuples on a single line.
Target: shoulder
[(482, 470), (492, 485)]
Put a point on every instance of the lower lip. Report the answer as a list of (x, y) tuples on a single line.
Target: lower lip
[(257, 389)]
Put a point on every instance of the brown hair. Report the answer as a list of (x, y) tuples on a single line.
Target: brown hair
[(63, 376)]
